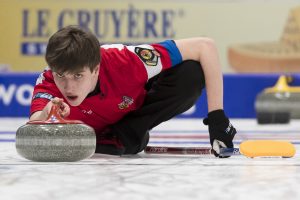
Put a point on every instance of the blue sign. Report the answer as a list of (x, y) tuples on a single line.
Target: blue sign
[(240, 91), (15, 93)]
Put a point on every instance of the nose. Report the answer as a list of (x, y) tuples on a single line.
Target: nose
[(69, 86)]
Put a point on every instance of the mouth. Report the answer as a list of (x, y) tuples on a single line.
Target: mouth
[(72, 98)]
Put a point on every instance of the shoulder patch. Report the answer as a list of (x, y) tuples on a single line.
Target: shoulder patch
[(42, 95), (148, 56)]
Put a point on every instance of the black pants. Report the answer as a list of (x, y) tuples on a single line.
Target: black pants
[(170, 93)]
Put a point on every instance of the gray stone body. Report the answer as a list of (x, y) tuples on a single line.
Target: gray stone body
[(55, 142), (280, 102)]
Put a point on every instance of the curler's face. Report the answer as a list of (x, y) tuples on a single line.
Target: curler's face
[(76, 86)]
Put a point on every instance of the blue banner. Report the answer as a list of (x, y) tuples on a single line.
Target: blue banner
[(240, 91), (15, 93)]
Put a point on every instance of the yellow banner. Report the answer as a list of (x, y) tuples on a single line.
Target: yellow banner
[(27, 25)]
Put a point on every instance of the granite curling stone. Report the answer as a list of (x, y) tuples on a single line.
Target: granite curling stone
[(56, 139), (278, 104)]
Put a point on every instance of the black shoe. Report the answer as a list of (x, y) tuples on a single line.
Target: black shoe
[(107, 143)]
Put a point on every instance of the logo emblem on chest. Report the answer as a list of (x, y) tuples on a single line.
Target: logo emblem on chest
[(126, 102)]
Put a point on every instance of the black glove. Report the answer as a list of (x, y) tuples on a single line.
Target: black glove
[(221, 131)]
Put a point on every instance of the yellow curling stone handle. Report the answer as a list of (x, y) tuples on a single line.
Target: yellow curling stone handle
[(267, 148), (282, 86)]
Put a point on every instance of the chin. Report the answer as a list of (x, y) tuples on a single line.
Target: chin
[(74, 103)]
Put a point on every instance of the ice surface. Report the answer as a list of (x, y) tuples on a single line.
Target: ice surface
[(145, 176)]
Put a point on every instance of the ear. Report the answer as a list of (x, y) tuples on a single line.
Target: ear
[(97, 68)]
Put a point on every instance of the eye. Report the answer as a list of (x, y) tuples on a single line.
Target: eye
[(78, 75), (59, 75)]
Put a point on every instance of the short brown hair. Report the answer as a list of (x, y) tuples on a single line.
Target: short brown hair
[(71, 49)]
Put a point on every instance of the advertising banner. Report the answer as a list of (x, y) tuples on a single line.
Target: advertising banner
[(27, 25), (240, 92), (16, 93)]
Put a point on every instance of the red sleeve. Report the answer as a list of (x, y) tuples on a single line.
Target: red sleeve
[(44, 90)]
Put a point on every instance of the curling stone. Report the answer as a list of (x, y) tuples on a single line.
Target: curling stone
[(278, 104), (56, 139)]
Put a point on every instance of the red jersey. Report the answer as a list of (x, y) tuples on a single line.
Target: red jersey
[(124, 71)]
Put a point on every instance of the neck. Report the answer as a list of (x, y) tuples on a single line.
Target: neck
[(96, 89)]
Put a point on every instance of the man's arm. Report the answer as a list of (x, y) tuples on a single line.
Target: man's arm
[(42, 115), (205, 51), (221, 131)]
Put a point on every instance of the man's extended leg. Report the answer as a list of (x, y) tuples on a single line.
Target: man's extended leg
[(169, 94)]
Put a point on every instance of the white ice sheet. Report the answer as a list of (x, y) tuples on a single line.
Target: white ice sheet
[(156, 176)]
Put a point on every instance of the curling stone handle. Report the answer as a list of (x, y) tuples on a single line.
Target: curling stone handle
[(55, 118), (282, 85), (54, 115)]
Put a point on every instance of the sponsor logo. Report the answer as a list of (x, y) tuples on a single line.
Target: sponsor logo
[(131, 22), (89, 112), (229, 130), (21, 93), (127, 101)]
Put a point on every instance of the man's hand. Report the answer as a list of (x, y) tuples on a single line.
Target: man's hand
[(221, 131), (64, 110)]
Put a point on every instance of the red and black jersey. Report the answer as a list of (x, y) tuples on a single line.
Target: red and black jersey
[(124, 71)]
